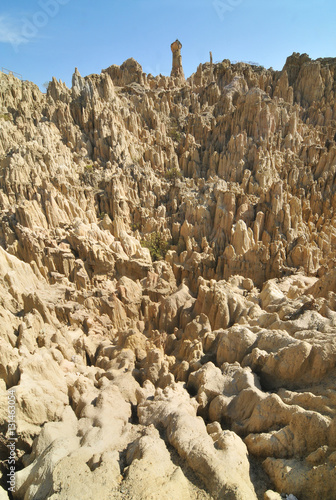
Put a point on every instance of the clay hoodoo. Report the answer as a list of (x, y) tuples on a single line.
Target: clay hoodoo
[(177, 69)]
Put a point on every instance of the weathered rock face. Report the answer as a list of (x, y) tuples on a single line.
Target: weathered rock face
[(167, 282)]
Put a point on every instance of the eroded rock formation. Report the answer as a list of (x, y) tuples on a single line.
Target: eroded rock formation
[(197, 363), (177, 69)]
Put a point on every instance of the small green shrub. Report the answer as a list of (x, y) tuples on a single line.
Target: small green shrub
[(5, 117), (173, 131), (175, 134), (88, 168), (173, 174), (156, 245), (136, 226)]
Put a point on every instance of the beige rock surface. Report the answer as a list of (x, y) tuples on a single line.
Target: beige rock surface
[(168, 284)]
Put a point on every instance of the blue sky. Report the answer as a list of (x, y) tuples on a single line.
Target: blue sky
[(45, 38)]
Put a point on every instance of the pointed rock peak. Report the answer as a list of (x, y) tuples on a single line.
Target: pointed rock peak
[(78, 81), (131, 65)]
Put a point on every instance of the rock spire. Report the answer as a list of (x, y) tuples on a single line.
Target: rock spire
[(177, 69)]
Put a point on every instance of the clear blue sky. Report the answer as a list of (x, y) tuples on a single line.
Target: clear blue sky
[(45, 38)]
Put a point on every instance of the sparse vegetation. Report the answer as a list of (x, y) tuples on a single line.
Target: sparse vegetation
[(88, 175), (136, 226), (172, 174), (175, 134), (156, 245), (173, 131), (5, 116)]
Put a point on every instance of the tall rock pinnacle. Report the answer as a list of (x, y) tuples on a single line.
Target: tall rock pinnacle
[(177, 69)]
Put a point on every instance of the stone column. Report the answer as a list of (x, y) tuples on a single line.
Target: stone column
[(211, 76), (177, 70)]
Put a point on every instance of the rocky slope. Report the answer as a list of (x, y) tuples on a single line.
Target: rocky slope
[(167, 301)]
